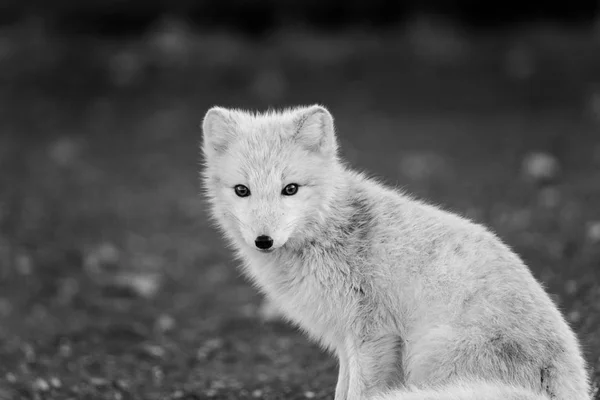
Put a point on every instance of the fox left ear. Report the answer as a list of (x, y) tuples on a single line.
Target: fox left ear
[(218, 130), (314, 129)]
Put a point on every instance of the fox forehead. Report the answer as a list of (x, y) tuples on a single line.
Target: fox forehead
[(293, 145), (270, 118), (269, 164), (257, 128)]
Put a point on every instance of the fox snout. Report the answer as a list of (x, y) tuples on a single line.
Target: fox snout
[(266, 230), (265, 239), (263, 242)]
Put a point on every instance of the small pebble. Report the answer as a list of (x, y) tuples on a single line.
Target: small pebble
[(97, 381), (178, 394), (165, 323), (574, 316), (64, 151), (29, 352), (104, 254), (154, 350), (221, 384), (209, 347), (309, 394), (108, 253), (257, 393), (571, 287), (121, 384), (23, 264), (55, 382), (143, 284), (540, 166), (40, 385), (157, 375), (65, 349), (593, 231), (262, 377), (10, 377), (549, 197)]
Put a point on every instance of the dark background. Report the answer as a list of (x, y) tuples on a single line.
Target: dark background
[(261, 16), (113, 285)]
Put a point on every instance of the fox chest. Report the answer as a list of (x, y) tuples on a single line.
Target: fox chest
[(318, 298)]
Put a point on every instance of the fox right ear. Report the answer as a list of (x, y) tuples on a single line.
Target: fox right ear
[(217, 130)]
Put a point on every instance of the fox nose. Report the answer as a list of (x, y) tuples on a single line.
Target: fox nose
[(263, 242)]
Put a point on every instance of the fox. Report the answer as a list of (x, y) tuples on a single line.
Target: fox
[(416, 302)]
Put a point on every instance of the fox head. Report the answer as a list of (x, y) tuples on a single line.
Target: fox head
[(269, 177)]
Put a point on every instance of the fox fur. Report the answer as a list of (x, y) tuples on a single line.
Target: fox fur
[(415, 302)]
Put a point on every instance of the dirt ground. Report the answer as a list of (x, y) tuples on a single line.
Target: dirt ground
[(114, 286)]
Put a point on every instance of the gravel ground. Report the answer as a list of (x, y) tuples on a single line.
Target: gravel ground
[(114, 286)]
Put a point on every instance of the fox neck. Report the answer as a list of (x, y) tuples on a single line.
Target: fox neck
[(334, 221)]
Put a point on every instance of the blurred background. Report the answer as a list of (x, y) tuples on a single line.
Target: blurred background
[(113, 285)]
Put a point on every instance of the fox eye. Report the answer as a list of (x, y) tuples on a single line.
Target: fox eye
[(241, 190), (290, 190)]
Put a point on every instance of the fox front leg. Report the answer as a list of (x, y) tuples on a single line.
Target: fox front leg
[(355, 371), (341, 388), (374, 365)]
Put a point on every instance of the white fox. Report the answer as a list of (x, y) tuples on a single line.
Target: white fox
[(416, 302)]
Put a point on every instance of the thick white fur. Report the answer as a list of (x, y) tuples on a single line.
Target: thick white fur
[(404, 293), (465, 390)]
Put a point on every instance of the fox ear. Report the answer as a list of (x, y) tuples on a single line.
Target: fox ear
[(218, 130), (314, 130)]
